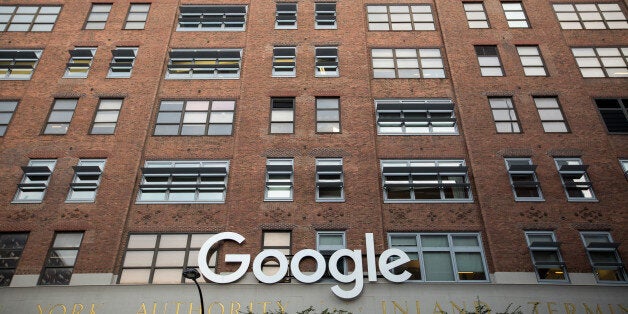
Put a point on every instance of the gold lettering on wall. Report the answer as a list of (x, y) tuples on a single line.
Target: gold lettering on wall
[(598, 310), (222, 307), (234, 309), (570, 308), (440, 309)]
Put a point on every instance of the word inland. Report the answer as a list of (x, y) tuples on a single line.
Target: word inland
[(388, 260)]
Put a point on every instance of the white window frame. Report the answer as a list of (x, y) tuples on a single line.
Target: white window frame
[(570, 167), (489, 63), (400, 17), (86, 181), (407, 63), (531, 60), (186, 64), (551, 114), (284, 62), (327, 124), (476, 15), (607, 246), (327, 250), (122, 61), (504, 115), (421, 116), (551, 246), (515, 14), (330, 174), (419, 250), (137, 16), (617, 114), (590, 16), (611, 62), (38, 169), (12, 246), (282, 114), (520, 166), (326, 62), (147, 254), (285, 16), (69, 246), (277, 169), (58, 121), (271, 266), (80, 62), (223, 18), (324, 12), (624, 166), (210, 114), (28, 18), (7, 110), (106, 118), (400, 174), (19, 64), (192, 176), (98, 16)]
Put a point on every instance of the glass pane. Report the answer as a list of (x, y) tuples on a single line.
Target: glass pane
[(170, 258), (465, 241), (168, 275), (173, 241), (134, 276), (56, 276), (68, 240), (137, 241), (330, 239), (434, 241), (438, 266), (138, 258), (470, 266), (276, 239)]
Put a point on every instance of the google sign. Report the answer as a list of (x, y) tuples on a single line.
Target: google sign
[(388, 260)]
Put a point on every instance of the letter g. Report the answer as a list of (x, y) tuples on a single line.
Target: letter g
[(244, 259)]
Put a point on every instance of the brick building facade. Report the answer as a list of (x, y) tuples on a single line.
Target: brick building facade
[(498, 127)]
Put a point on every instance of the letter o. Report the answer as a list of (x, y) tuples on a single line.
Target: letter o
[(317, 275), (257, 266)]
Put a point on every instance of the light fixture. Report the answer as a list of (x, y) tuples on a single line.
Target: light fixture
[(193, 274)]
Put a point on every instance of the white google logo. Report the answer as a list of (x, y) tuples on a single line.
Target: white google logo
[(388, 260)]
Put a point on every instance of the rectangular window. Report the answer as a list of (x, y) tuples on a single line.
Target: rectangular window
[(545, 253), (456, 257), (60, 116), (106, 116), (407, 63), (204, 64), (573, 174), (80, 62), (35, 181), (614, 112), (279, 180), (525, 185), (425, 181), (488, 58), (329, 180), (325, 15), (531, 60), (195, 117), (328, 242), (326, 61), (590, 16), (415, 116), (551, 115), (137, 16), (276, 240), (184, 181), (160, 258), (284, 61), (11, 247), (87, 175), (504, 115), (62, 256), (624, 167), (602, 62), (476, 14), (417, 17), (281, 115), (286, 16), (98, 15), (18, 64), (122, 62), (212, 18), (605, 260), (7, 108), (28, 18), (515, 15), (327, 114)]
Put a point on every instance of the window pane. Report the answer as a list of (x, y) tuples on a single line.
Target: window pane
[(438, 266)]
